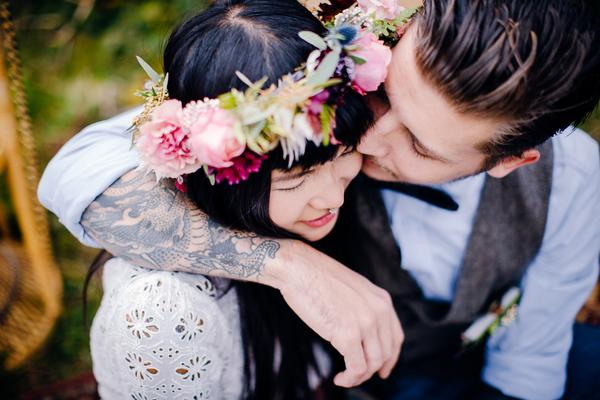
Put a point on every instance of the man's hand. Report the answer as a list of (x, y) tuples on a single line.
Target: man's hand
[(343, 307), (155, 226)]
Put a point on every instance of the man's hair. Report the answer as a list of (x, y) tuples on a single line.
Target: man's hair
[(532, 64)]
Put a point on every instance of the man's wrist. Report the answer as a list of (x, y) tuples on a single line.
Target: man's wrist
[(278, 271)]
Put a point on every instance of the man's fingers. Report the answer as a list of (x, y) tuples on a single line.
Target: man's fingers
[(373, 353), (388, 347), (398, 340), (354, 359)]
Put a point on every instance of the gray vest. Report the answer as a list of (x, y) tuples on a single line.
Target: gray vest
[(506, 236)]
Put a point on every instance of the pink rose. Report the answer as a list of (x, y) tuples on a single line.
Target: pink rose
[(162, 142), (370, 75), (384, 9), (213, 140)]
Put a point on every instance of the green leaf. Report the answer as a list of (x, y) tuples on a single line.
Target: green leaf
[(152, 74), (325, 117), (325, 70), (313, 39), (211, 177), (406, 14), (227, 101), (358, 60)]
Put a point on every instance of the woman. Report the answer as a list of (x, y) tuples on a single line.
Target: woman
[(165, 335)]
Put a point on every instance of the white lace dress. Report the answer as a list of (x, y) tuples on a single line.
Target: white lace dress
[(165, 335)]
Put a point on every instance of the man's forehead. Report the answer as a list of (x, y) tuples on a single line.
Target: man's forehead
[(422, 108)]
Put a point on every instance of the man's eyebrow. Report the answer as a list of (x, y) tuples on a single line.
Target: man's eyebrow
[(290, 177), (426, 150)]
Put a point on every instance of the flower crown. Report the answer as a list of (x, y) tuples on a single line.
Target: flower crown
[(230, 136)]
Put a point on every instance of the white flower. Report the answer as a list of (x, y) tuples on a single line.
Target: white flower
[(299, 132)]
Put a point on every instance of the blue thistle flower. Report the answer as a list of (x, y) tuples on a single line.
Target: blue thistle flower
[(349, 33)]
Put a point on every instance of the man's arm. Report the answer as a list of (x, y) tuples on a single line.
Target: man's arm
[(154, 225)]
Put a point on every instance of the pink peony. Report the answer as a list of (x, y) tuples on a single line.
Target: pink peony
[(384, 9), (162, 142), (370, 75), (213, 140)]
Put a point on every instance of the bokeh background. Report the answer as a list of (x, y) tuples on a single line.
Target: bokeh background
[(79, 66)]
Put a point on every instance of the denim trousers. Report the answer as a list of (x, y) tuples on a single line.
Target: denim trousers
[(583, 378)]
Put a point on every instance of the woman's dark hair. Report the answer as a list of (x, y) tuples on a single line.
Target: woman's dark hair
[(260, 39)]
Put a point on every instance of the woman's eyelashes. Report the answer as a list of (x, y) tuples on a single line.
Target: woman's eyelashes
[(291, 189), (296, 183)]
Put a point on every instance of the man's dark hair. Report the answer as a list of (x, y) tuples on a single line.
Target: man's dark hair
[(533, 64)]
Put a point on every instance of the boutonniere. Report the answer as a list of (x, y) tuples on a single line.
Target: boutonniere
[(501, 313)]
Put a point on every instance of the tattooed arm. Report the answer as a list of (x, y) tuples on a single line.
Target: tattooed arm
[(154, 225)]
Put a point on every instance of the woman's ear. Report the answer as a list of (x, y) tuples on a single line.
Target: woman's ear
[(510, 164)]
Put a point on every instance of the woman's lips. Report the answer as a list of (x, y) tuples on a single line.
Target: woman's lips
[(321, 221)]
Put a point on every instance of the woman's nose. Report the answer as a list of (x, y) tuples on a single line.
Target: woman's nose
[(332, 192)]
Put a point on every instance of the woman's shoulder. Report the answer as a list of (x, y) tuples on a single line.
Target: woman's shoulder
[(122, 276), (160, 328), (193, 304)]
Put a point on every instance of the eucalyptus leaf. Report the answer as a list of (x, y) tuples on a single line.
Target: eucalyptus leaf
[(325, 70), (358, 60), (313, 39), (152, 74), (258, 116)]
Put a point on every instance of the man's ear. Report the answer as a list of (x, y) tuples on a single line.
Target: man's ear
[(509, 164)]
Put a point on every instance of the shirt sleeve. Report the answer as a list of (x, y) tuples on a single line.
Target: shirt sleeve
[(85, 167), (528, 358)]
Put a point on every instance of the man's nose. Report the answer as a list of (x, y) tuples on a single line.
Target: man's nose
[(374, 142), (371, 144)]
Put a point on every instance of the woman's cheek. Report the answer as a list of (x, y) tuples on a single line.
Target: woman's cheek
[(285, 208)]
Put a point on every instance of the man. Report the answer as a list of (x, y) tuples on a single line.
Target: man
[(473, 86)]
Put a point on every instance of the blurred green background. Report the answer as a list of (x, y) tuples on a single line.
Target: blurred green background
[(79, 66)]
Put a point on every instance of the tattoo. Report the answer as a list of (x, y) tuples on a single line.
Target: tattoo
[(153, 225)]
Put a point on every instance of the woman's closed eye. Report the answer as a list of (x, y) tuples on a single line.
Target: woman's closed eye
[(290, 189), (294, 182)]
